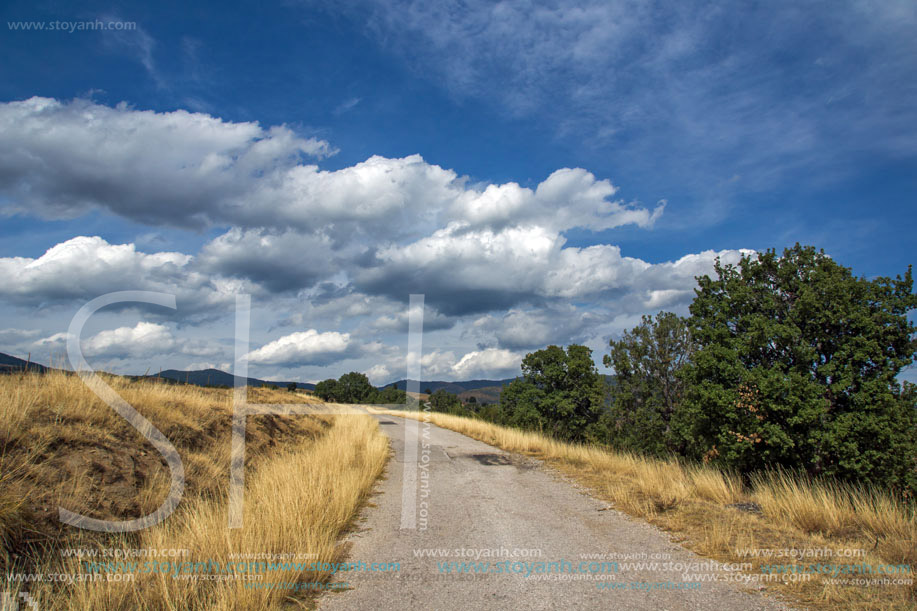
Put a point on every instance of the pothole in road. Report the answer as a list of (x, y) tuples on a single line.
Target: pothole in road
[(492, 459)]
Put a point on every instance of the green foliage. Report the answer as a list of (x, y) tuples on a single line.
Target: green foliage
[(491, 413), (647, 388), (291, 386), (328, 390), (796, 367), (561, 393), (388, 395), (354, 387), (446, 402)]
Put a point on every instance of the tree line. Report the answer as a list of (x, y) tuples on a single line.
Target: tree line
[(354, 387)]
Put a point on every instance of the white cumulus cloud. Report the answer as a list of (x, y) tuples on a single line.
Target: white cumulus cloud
[(302, 348), (379, 374), (143, 339), (437, 363), (491, 361), (83, 268), (195, 170), (170, 168)]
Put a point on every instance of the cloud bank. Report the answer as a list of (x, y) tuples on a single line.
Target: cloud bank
[(319, 248)]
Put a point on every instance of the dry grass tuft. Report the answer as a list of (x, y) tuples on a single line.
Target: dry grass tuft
[(841, 512), (715, 486)]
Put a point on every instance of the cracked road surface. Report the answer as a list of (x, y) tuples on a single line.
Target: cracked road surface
[(482, 498)]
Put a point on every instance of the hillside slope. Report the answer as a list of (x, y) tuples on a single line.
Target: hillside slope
[(10, 363), (216, 377)]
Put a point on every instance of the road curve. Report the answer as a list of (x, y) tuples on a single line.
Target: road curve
[(484, 500)]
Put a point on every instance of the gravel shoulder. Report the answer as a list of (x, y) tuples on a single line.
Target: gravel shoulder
[(495, 504)]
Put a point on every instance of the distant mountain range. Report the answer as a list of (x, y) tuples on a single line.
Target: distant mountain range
[(215, 377), (460, 387), (484, 391), (453, 387), (203, 377)]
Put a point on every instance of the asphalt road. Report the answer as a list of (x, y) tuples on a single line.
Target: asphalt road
[(485, 502)]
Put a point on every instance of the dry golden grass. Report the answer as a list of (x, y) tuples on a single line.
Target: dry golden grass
[(841, 512), (60, 445), (298, 501), (692, 502)]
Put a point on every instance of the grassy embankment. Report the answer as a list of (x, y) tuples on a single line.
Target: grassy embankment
[(306, 476), (692, 502)]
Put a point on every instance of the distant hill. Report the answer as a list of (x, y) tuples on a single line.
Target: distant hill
[(453, 387), (484, 391), (204, 377), (487, 394), (11, 363), (215, 377)]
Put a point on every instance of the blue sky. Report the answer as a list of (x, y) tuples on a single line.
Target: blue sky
[(542, 172)]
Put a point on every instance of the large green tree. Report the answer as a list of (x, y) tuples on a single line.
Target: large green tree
[(648, 388), (328, 390), (354, 387), (796, 366), (560, 392)]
